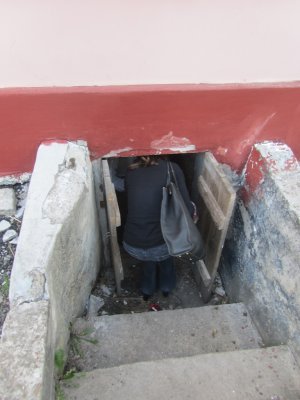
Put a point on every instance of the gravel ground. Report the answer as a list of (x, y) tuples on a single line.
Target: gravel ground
[(7, 249)]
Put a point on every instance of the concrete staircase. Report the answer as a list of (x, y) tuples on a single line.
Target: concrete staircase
[(211, 352)]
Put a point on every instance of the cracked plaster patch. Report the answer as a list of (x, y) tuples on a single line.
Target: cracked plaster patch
[(279, 156), (32, 289), (173, 143), (116, 153), (38, 283), (58, 204)]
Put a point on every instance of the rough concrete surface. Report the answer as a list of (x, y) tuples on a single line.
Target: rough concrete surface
[(261, 263), (23, 350), (268, 374), (128, 338), (57, 256), (7, 201), (60, 224), (15, 179), (7, 247)]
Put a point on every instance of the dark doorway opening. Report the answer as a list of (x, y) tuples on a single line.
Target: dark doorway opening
[(207, 184)]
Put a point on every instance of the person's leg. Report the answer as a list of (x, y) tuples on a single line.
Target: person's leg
[(167, 276), (148, 281)]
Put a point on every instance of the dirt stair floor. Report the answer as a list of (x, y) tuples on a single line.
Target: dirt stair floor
[(185, 295)]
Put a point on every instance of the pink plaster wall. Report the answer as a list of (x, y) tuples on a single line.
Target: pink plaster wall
[(117, 42)]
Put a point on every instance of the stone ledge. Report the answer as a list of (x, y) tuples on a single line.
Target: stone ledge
[(7, 201), (24, 353), (55, 266)]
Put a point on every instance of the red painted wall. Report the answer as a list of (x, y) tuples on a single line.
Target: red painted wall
[(226, 119)]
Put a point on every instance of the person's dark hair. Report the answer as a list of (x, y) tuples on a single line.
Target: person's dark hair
[(144, 161)]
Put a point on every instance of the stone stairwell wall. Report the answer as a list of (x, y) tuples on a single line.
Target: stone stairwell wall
[(56, 264), (261, 262)]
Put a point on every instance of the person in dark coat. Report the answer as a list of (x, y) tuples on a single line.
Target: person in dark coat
[(142, 237)]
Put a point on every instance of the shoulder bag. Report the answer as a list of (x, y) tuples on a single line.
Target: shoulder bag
[(179, 231)]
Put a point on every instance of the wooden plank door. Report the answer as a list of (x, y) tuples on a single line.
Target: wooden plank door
[(105, 259), (215, 199), (114, 220)]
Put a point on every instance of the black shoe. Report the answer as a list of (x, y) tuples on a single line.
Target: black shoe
[(146, 297), (165, 294)]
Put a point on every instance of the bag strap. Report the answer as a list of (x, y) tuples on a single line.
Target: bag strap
[(168, 175), (171, 174)]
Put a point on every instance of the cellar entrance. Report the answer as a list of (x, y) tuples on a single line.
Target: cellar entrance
[(214, 197)]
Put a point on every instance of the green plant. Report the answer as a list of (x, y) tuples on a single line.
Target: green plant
[(59, 393), (69, 374), (5, 286), (59, 361), (59, 358), (77, 337)]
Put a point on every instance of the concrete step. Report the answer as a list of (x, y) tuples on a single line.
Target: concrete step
[(129, 338), (268, 374)]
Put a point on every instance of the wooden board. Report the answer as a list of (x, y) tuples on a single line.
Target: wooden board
[(105, 260), (215, 199), (114, 220)]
